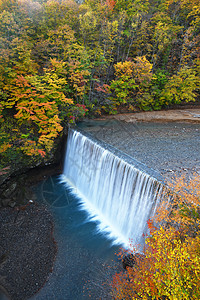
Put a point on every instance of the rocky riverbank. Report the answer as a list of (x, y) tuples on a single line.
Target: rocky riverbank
[(187, 115), (27, 250), (27, 245)]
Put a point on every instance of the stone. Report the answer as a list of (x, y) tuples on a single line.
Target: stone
[(128, 261), (5, 202), (12, 204), (131, 260), (10, 190)]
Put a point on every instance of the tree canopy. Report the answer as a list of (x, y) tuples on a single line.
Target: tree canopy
[(60, 60)]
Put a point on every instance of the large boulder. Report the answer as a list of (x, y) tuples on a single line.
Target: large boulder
[(132, 260)]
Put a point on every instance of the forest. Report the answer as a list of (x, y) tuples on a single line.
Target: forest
[(62, 60)]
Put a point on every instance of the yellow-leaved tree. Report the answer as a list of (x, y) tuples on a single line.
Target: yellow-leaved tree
[(170, 268), (181, 87), (132, 80)]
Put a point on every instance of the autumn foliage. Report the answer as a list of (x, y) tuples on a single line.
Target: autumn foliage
[(62, 60), (170, 268)]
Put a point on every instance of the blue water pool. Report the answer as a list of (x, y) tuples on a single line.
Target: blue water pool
[(86, 259)]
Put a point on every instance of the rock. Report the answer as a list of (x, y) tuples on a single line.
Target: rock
[(5, 202), (12, 204), (8, 192), (23, 163), (128, 261), (131, 260)]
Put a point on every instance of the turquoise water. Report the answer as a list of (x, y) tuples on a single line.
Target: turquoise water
[(85, 258)]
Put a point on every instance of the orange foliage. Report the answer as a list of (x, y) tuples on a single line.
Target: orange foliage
[(4, 147), (170, 268), (78, 77), (111, 4)]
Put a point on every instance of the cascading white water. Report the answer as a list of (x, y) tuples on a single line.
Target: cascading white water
[(116, 194)]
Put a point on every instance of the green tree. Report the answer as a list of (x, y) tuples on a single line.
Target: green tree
[(181, 87)]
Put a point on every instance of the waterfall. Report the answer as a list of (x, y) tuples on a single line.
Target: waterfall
[(120, 197)]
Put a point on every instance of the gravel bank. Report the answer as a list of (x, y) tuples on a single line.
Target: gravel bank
[(27, 250), (171, 148), (179, 115)]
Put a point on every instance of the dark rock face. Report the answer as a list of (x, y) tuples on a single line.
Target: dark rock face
[(14, 185), (17, 190), (23, 163), (132, 260)]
